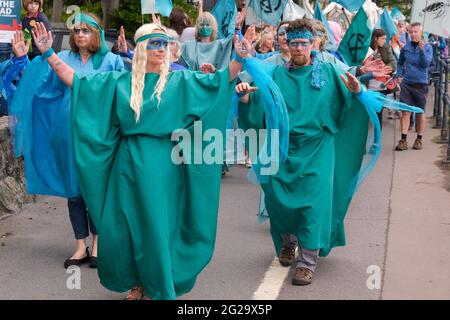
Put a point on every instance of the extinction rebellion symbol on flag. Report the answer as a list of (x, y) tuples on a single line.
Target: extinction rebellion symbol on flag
[(355, 43), (226, 22), (266, 6)]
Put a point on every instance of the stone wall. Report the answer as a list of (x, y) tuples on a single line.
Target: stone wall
[(12, 186)]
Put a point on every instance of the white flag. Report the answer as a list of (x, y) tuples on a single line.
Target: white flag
[(164, 7), (148, 6), (293, 11), (434, 16)]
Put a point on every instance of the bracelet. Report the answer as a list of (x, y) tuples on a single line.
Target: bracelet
[(237, 58), (362, 89), (47, 54)]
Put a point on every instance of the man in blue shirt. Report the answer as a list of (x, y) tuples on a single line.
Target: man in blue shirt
[(415, 59)]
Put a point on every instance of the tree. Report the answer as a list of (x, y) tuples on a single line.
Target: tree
[(57, 10), (108, 7), (405, 6), (129, 15)]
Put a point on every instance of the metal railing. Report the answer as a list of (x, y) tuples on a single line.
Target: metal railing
[(442, 101)]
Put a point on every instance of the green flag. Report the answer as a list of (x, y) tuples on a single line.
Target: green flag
[(356, 42)]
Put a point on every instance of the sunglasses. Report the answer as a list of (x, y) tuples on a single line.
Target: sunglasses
[(85, 31), (300, 44), (157, 44)]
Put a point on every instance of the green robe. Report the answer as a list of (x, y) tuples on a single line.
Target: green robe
[(327, 137), (217, 53), (156, 220)]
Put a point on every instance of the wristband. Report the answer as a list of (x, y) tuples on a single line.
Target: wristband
[(362, 89), (237, 58), (47, 54)]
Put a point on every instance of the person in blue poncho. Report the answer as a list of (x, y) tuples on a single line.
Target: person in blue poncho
[(40, 123)]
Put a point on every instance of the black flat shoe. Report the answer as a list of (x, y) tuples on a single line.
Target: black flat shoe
[(77, 262), (93, 262)]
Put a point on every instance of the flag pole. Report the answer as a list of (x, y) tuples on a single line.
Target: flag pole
[(424, 15), (345, 15)]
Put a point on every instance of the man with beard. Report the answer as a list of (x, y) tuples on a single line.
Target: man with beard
[(307, 199)]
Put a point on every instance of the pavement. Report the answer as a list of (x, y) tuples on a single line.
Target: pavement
[(398, 241)]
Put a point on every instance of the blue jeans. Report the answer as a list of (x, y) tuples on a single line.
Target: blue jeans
[(306, 258), (79, 218)]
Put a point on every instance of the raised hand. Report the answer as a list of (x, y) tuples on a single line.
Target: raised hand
[(200, 7), (242, 48), (19, 46), (371, 65), (388, 69), (122, 42), (421, 44), (43, 40), (351, 82), (156, 19), (240, 18)]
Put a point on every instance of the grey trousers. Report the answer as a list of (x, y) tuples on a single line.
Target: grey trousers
[(306, 258)]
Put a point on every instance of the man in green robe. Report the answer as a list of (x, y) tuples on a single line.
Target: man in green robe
[(307, 198)]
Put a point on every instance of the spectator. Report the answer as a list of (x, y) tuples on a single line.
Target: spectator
[(415, 59), (34, 15), (383, 52)]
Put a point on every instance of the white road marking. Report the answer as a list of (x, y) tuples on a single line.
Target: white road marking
[(270, 287)]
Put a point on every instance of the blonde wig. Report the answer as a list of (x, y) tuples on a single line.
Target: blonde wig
[(139, 69)]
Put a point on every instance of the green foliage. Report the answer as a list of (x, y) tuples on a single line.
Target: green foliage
[(405, 6), (129, 15), (94, 7)]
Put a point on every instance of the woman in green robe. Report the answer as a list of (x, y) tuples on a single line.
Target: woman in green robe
[(156, 219), (307, 199), (206, 51)]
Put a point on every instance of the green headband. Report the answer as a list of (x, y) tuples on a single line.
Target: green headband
[(153, 35), (97, 58)]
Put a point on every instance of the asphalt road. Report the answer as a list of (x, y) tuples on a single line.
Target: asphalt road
[(35, 243)]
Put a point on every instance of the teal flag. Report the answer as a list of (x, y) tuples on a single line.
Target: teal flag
[(397, 14), (318, 15), (387, 24), (351, 5), (270, 11), (356, 42), (225, 13)]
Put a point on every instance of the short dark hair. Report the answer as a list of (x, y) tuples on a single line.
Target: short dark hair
[(416, 24), (179, 20)]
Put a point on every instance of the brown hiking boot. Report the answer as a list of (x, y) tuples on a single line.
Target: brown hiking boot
[(302, 277), (287, 256), (417, 144), (402, 145)]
